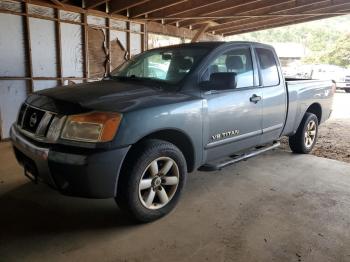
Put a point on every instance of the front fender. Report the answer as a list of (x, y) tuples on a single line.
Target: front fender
[(186, 117)]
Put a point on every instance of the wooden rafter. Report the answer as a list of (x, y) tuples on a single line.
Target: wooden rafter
[(268, 23), (273, 5), (226, 8), (186, 7), (286, 22), (57, 2), (153, 6), (89, 4), (279, 9), (322, 9), (117, 6), (200, 32)]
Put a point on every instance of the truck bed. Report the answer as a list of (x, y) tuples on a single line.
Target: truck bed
[(303, 93)]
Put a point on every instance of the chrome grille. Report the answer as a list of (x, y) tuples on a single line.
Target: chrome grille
[(34, 121), (21, 114)]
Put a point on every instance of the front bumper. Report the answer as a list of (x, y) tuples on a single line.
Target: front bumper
[(89, 174)]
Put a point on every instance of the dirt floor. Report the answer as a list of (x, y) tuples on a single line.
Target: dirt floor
[(276, 207), (334, 135)]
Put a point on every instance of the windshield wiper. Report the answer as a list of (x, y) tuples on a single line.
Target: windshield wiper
[(136, 78), (132, 77)]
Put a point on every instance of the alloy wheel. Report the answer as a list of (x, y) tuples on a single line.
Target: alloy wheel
[(158, 183), (310, 134)]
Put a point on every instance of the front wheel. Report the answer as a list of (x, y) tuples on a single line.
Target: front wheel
[(305, 138), (347, 90), (151, 184)]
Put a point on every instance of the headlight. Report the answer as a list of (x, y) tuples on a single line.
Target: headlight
[(91, 127)]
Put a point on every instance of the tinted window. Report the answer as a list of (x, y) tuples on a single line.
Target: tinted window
[(238, 61), (268, 67)]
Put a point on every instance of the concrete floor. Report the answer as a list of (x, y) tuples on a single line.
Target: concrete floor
[(276, 207)]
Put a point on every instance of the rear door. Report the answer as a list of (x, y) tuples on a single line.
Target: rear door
[(233, 121), (274, 104)]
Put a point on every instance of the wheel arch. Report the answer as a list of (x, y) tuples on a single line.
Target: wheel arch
[(174, 136), (315, 109)]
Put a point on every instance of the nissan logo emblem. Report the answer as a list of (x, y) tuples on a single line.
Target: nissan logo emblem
[(32, 120)]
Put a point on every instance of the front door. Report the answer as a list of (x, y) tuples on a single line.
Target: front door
[(233, 116)]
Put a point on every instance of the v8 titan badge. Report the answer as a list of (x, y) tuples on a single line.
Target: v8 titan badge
[(225, 134)]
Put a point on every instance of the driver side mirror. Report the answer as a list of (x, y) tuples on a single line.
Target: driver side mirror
[(220, 81)]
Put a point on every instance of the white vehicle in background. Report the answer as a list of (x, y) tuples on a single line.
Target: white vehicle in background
[(339, 75)]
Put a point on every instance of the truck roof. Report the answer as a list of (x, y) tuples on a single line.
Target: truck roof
[(214, 44)]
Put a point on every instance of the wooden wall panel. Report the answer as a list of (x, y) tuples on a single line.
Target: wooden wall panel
[(135, 44), (44, 84), (9, 5), (118, 49), (12, 95), (97, 49), (72, 50), (44, 46), (43, 37), (12, 46)]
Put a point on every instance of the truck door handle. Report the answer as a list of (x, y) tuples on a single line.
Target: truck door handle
[(255, 98)]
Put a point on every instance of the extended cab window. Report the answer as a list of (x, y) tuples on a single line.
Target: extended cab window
[(238, 61), (268, 67)]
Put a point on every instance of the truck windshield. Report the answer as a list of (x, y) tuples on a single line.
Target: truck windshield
[(165, 65)]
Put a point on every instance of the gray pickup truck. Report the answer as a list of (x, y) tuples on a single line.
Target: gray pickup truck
[(136, 134)]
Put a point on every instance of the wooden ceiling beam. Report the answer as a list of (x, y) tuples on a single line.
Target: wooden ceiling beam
[(279, 10), (273, 5), (200, 32), (286, 22), (229, 8), (249, 8), (265, 7), (153, 6), (186, 7), (89, 4), (316, 8), (57, 2), (116, 6)]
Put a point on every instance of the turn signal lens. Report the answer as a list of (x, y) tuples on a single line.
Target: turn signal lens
[(92, 127)]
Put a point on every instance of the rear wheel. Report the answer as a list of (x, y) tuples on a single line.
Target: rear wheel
[(152, 181), (305, 138), (347, 90)]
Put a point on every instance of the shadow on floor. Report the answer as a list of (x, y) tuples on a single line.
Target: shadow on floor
[(37, 210)]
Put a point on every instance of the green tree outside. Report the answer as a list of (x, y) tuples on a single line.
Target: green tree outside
[(327, 40)]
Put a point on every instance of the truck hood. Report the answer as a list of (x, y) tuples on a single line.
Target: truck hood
[(106, 95)]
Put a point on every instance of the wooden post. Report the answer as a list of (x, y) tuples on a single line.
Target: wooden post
[(144, 37), (86, 49), (200, 32), (58, 47), (128, 39), (108, 39), (29, 48)]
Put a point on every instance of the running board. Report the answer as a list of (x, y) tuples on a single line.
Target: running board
[(234, 159)]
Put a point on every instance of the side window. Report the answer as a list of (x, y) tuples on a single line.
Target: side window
[(238, 61), (268, 67)]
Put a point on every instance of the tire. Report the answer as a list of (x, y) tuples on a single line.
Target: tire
[(142, 178), (304, 139), (347, 90)]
